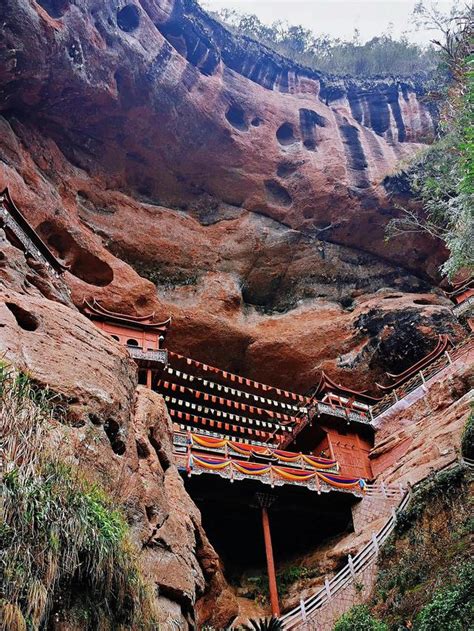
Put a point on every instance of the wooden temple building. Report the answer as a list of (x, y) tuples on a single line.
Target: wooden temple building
[(24, 237), (245, 431), (337, 423), (142, 336), (228, 428), (462, 294)]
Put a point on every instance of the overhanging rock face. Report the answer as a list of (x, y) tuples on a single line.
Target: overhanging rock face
[(145, 143), (154, 77)]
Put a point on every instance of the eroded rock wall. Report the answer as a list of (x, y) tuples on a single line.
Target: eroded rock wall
[(116, 433), (180, 169)]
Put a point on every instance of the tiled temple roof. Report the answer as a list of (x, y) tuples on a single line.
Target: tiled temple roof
[(26, 236)]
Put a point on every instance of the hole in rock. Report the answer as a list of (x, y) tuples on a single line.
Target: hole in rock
[(233, 522), (236, 117), (285, 169), (54, 8), (285, 134), (94, 419), (25, 319), (142, 449), (277, 194), (422, 301), (112, 429), (310, 144), (128, 18), (392, 296), (82, 263), (256, 122)]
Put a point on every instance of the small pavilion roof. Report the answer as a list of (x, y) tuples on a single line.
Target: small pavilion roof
[(442, 345), (145, 323), (326, 384), (461, 287), (30, 232)]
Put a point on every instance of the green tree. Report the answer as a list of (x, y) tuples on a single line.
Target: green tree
[(441, 178)]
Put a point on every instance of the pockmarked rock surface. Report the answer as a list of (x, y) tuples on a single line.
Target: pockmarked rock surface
[(118, 433), (177, 168)]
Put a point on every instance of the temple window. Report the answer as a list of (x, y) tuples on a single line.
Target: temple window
[(132, 342)]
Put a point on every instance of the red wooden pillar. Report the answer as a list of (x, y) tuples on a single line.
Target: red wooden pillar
[(149, 378), (270, 563)]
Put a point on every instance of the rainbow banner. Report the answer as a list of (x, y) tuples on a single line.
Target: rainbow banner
[(285, 473), (247, 450)]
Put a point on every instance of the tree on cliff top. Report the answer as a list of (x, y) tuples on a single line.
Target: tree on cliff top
[(441, 178), (382, 55)]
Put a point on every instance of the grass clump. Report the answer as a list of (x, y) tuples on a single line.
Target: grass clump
[(65, 552), (427, 556), (359, 618), (467, 440)]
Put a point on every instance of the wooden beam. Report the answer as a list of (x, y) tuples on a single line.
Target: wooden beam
[(275, 606)]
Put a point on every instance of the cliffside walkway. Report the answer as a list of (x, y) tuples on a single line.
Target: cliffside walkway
[(309, 616), (361, 569), (415, 388)]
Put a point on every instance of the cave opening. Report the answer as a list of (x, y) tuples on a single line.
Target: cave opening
[(54, 8), (285, 134), (128, 18), (25, 320), (300, 520), (112, 429), (236, 117)]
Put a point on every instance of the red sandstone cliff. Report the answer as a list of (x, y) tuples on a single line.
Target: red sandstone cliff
[(149, 142), (176, 169)]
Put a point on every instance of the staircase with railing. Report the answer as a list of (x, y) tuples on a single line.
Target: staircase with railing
[(420, 379), (308, 616)]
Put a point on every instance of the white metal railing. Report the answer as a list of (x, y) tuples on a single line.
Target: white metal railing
[(297, 617), (421, 377), (468, 463), (464, 306)]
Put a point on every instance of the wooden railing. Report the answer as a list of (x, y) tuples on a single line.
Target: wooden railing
[(153, 356)]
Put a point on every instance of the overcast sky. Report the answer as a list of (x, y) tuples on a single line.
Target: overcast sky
[(338, 18)]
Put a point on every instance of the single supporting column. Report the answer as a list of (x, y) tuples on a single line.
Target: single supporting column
[(272, 584), (327, 587), (303, 610), (148, 378)]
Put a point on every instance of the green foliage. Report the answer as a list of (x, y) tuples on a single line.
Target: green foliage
[(264, 624), (382, 55), (467, 440), (427, 552), (257, 586), (359, 618), (441, 178), (451, 608), (64, 547), (442, 488)]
